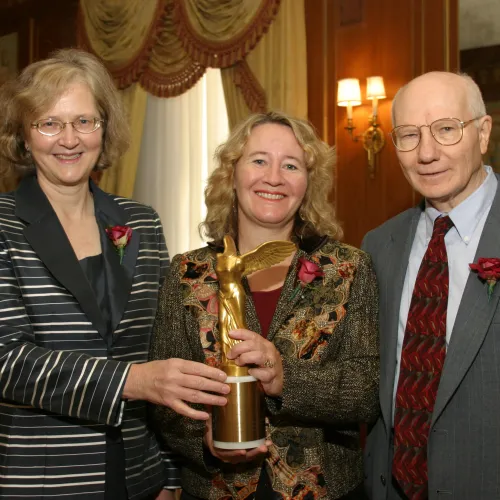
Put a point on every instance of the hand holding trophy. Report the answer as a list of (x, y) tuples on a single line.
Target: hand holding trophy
[(240, 424)]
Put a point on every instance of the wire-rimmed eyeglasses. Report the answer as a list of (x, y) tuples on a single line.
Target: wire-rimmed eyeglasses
[(446, 131), (53, 127)]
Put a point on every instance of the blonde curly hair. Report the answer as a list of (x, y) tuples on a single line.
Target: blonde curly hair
[(38, 87), (316, 215)]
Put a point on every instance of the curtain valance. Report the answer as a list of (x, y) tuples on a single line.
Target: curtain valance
[(165, 45)]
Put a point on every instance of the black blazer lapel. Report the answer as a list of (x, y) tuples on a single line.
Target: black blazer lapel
[(46, 235), (474, 315), (119, 277)]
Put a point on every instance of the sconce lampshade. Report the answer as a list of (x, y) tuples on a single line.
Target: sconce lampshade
[(348, 92), (375, 87)]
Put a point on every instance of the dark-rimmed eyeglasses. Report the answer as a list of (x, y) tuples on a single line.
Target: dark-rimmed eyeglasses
[(446, 131), (54, 127)]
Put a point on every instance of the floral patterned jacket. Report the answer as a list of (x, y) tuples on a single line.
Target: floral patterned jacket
[(327, 335)]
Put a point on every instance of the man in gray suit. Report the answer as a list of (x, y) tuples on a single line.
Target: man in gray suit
[(438, 435)]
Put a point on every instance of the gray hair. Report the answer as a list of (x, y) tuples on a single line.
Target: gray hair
[(474, 97)]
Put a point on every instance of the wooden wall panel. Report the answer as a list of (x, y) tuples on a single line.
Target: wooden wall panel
[(41, 26), (361, 38), (433, 43), (316, 63)]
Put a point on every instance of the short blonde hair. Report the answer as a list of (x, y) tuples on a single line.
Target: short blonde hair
[(37, 89), (316, 215)]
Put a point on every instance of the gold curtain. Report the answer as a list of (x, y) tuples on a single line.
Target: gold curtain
[(274, 74), (123, 35), (165, 46), (236, 104), (120, 178)]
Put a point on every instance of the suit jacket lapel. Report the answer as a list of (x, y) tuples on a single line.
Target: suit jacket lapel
[(46, 235), (473, 317), (392, 279), (119, 277)]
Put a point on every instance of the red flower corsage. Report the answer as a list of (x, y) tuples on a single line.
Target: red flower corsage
[(120, 236), (488, 269), (307, 273)]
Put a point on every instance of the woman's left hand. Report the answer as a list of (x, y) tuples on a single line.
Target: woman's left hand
[(167, 495), (256, 350)]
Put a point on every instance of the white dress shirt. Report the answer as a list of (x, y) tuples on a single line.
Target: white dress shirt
[(461, 243)]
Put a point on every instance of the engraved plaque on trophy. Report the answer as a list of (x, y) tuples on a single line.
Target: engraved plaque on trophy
[(240, 424)]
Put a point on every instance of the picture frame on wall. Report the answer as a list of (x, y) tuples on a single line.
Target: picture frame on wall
[(483, 65), (9, 51), (492, 156), (9, 47)]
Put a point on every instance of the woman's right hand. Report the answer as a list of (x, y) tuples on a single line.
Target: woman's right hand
[(175, 382), (232, 456)]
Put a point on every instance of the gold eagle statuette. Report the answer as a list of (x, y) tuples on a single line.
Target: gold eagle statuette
[(230, 269)]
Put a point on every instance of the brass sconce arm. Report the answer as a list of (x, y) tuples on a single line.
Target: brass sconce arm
[(373, 142), (350, 130)]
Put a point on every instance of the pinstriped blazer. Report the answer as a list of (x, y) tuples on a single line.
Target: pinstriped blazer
[(61, 372)]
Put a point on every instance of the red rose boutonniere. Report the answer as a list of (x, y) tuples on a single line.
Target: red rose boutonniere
[(489, 271), (308, 272), (120, 236)]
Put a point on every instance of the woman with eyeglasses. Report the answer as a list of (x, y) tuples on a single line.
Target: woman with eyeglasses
[(80, 271)]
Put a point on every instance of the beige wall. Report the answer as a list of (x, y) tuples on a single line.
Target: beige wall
[(479, 23)]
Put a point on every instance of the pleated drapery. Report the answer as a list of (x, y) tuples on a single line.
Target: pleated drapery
[(165, 46)]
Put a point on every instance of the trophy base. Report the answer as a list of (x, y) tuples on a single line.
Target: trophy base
[(240, 424), (239, 446)]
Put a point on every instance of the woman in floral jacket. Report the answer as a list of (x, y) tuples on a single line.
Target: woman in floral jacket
[(312, 336)]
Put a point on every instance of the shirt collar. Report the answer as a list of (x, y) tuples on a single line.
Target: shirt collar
[(466, 215)]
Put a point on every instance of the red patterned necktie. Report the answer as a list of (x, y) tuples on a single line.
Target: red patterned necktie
[(422, 359)]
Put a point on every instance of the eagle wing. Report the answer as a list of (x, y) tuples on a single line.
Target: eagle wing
[(266, 255)]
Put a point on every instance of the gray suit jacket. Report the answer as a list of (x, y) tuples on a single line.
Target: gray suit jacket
[(464, 440)]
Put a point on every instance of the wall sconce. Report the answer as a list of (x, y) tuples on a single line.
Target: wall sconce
[(349, 95)]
